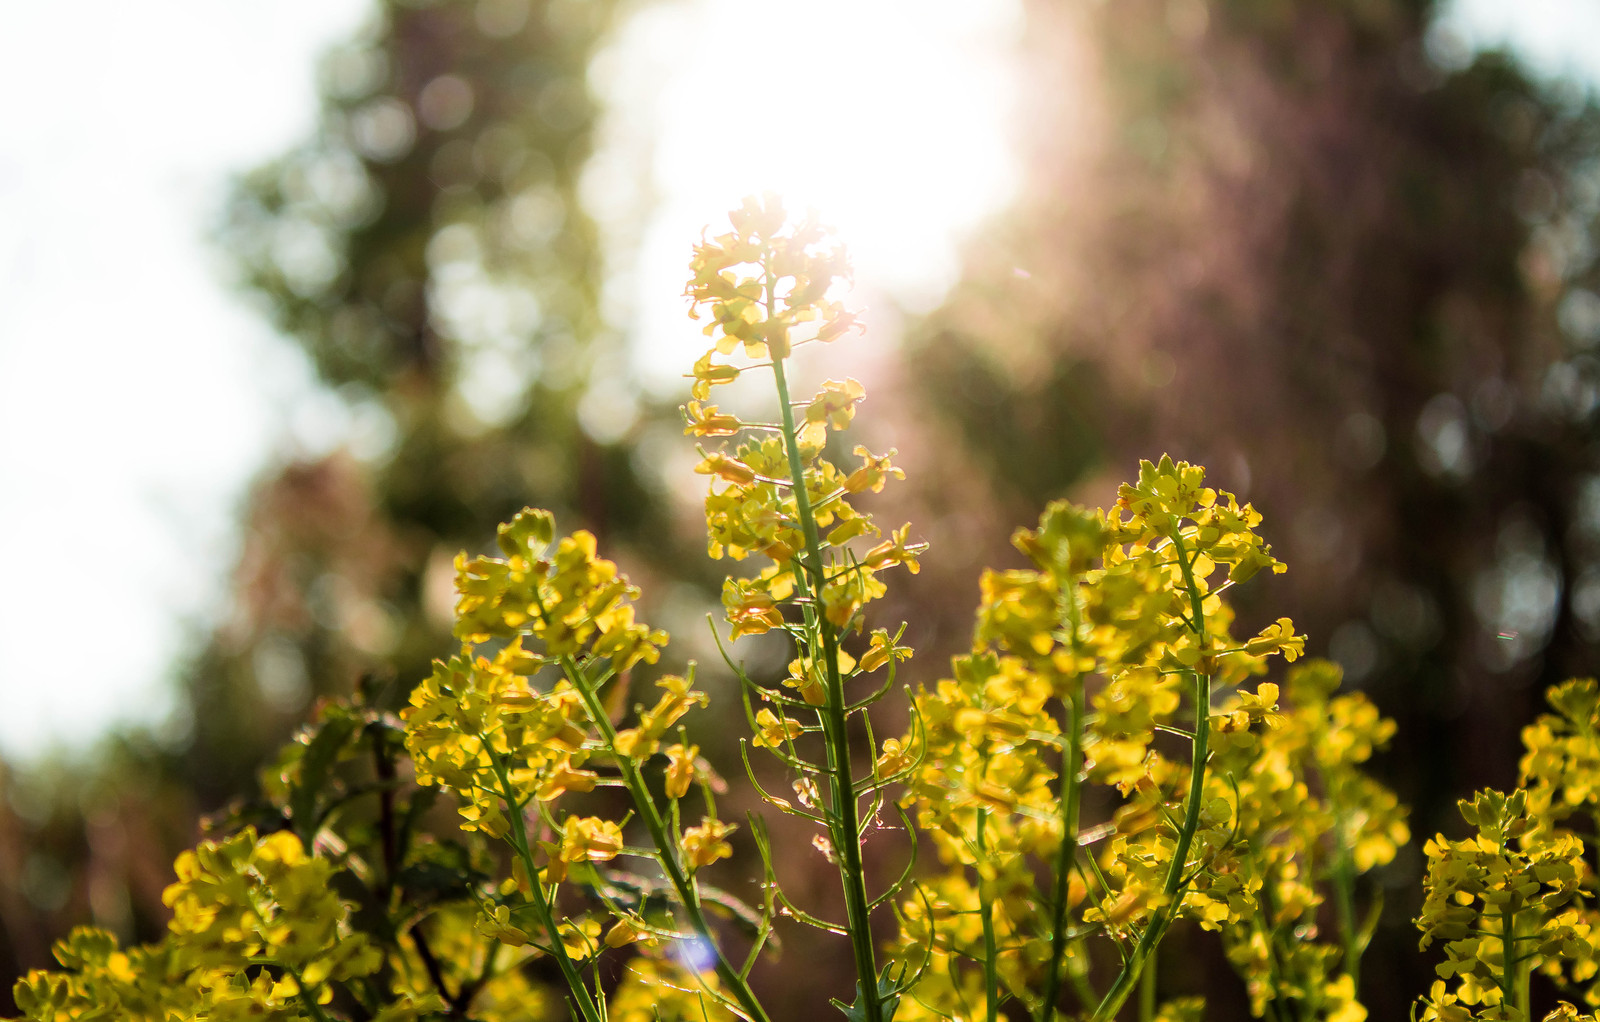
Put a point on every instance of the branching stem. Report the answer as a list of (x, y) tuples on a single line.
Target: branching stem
[(644, 803), (843, 813), (1173, 888)]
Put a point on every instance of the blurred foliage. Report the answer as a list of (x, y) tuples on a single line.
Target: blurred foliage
[(427, 250)]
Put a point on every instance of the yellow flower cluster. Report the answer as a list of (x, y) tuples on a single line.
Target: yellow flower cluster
[(1079, 662), (742, 307), (513, 731), (1316, 821), (257, 932), (568, 599), (480, 725), (766, 285), (1516, 897)]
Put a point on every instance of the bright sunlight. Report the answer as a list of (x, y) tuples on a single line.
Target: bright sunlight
[(893, 124)]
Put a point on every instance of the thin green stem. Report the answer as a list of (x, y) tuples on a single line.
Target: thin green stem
[(991, 967), (645, 805), (1509, 987), (518, 836), (844, 814), (312, 1007), (1147, 993), (1344, 901), (1067, 854), (1173, 888)]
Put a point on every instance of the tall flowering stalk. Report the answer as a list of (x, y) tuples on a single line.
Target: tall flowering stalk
[(774, 497), (512, 749)]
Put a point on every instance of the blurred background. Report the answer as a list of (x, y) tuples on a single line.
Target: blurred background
[(295, 305)]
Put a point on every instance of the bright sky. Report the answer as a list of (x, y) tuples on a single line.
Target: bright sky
[(138, 396), (1555, 37)]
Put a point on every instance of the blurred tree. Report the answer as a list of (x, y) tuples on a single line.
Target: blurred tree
[(427, 250), (1316, 249), (87, 843)]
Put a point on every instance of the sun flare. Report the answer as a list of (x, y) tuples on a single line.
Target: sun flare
[(893, 126)]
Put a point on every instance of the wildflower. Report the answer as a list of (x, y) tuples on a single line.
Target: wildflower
[(730, 470), (832, 408), (773, 731), (1278, 637), (881, 651), (705, 844), (590, 839), (873, 473), (894, 758), (628, 930), (680, 769)]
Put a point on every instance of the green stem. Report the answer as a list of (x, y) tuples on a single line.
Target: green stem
[(519, 843), (844, 822), (1344, 894), (1147, 993), (1067, 854), (991, 974), (312, 1007), (644, 803), (1509, 988), (1173, 888)]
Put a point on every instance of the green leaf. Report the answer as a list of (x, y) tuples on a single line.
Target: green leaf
[(888, 997), (322, 751)]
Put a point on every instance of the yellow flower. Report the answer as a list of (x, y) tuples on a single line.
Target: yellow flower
[(881, 651), (832, 408), (894, 758), (1278, 637), (775, 732), (706, 375), (705, 844), (590, 839), (680, 769), (873, 473), (628, 930)]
